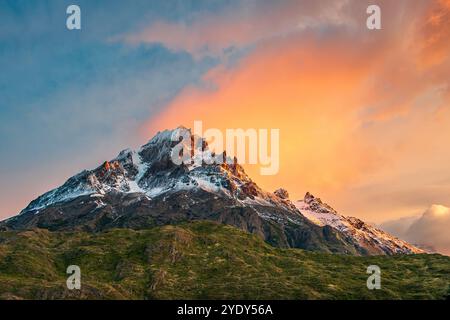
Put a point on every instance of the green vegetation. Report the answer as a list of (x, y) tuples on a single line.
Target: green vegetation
[(201, 260)]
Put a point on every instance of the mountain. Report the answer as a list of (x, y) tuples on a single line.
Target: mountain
[(145, 188), (202, 260), (373, 240)]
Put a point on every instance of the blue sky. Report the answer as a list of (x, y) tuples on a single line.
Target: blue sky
[(70, 99)]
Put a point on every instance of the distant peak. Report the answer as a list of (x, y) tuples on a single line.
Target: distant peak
[(308, 197), (282, 193)]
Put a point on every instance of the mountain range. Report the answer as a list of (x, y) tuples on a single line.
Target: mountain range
[(144, 188)]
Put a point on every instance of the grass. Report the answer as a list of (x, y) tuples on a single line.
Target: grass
[(202, 260)]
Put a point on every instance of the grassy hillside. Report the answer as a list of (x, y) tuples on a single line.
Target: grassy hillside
[(202, 260)]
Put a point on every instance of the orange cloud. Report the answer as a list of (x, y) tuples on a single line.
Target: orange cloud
[(436, 34), (364, 117), (313, 99)]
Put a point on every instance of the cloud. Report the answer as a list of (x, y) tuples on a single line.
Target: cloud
[(364, 120), (436, 32), (399, 227), (432, 229), (242, 25), (429, 230), (293, 85)]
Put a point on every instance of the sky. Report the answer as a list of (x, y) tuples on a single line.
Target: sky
[(364, 115)]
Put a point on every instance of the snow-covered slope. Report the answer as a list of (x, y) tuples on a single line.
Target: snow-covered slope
[(372, 239)]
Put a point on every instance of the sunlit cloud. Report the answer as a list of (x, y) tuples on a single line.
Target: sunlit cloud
[(430, 230), (362, 115)]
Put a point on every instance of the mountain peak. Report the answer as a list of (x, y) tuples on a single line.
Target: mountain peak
[(166, 135)]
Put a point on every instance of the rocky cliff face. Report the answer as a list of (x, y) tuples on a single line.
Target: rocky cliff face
[(145, 188)]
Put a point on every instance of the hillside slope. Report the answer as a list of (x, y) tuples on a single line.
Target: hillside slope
[(202, 260)]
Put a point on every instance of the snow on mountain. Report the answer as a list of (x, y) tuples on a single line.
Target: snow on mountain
[(144, 187), (372, 239), (150, 171)]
